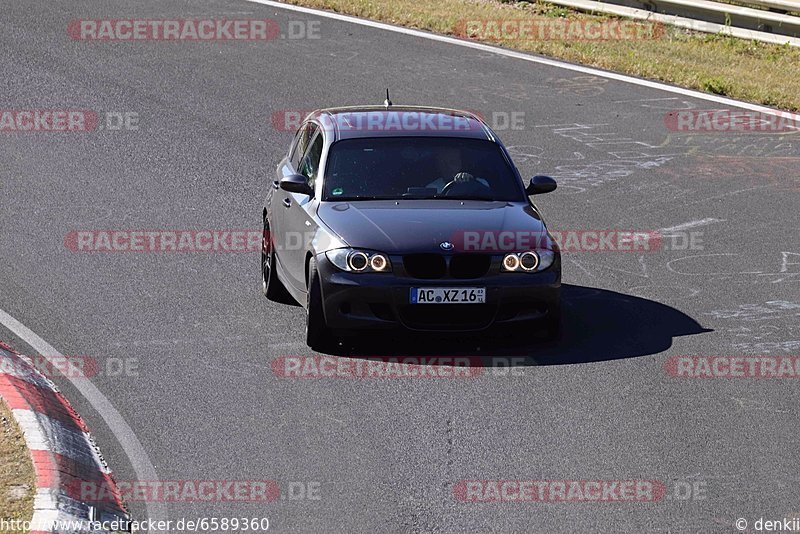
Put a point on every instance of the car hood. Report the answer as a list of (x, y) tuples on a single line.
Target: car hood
[(422, 225)]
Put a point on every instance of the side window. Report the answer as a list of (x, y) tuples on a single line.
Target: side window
[(309, 167), (304, 134)]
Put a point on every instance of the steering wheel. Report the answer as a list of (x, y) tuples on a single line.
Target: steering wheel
[(463, 183)]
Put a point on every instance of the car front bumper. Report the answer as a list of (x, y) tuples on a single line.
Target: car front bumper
[(374, 301)]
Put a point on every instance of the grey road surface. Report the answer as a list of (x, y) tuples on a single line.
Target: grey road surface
[(372, 455)]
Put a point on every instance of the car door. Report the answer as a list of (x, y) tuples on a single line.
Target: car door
[(298, 211), (280, 199)]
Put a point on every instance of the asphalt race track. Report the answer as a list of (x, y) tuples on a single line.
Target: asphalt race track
[(372, 455)]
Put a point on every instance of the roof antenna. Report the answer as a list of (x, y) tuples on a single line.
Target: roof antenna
[(387, 103)]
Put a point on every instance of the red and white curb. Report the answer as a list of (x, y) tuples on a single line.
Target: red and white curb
[(63, 452)]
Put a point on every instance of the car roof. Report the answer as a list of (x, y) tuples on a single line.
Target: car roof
[(359, 122)]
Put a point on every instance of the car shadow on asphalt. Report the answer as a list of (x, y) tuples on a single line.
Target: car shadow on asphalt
[(598, 325)]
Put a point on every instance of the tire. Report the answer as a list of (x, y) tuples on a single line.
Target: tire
[(271, 286), (318, 335)]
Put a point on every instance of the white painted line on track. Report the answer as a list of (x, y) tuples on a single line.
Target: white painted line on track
[(133, 448), (533, 59)]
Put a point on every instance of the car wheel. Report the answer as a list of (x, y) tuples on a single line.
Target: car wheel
[(318, 335), (271, 286)]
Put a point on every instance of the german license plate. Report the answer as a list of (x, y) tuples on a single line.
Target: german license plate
[(448, 295)]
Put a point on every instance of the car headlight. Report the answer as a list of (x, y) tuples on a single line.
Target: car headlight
[(359, 261), (530, 261)]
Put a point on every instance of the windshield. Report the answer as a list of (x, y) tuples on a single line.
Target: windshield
[(394, 168)]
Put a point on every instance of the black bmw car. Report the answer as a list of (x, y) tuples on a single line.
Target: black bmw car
[(388, 217)]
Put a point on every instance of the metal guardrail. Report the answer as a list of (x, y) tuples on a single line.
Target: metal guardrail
[(704, 16), (721, 13), (780, 5)]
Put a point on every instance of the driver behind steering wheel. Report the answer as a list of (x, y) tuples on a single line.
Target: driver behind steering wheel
[(452, 178)]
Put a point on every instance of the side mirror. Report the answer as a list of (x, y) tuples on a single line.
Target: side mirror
[(296, 183), (540, 185)]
